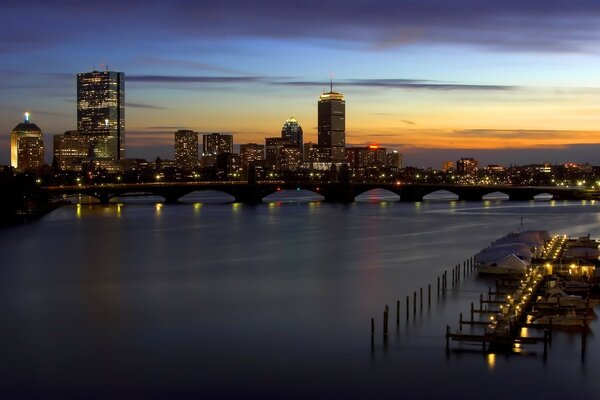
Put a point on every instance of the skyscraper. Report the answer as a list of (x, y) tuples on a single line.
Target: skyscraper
[(332, 125), (186, 149), (26, 146), (292, 133), (217, 143), (101, 112)]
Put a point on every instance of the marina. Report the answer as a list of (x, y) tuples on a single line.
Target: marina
[(554, 285)]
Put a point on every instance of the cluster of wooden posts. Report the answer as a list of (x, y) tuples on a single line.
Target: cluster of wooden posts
[(467, 267)]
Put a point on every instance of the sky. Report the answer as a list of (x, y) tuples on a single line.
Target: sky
[(510, 82)]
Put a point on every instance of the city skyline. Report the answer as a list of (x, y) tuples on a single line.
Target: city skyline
[(508, 83)]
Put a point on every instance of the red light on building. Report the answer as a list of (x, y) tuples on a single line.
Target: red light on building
[(373, 146)]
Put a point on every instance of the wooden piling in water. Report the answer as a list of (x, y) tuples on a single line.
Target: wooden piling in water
[(472, 310), (429, 294), (372, 330), (415, 302), (397, 312), (407, 307), (421, 297), (438, 286), (385, 321)]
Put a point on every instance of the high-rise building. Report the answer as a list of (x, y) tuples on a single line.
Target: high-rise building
[(214, 144), (467, 166), (394, 159), (101, 112), (186, 149), (217, 143), (70, 150), (290, 157), (251, 152), (273, 150), (447, 166), (361, 158), (26, 146), (332, 124), (292, 133)]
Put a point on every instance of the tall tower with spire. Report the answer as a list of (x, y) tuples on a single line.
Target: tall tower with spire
[(332, 124)]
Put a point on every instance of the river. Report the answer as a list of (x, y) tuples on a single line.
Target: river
[(207, 299)]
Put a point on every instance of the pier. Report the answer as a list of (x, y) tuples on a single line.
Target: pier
[(510, 307)]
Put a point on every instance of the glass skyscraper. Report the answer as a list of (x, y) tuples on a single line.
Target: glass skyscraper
[(101, 112), (292, 132), (332, 125)]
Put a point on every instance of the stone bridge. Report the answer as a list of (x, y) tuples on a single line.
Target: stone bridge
[(253, 193)]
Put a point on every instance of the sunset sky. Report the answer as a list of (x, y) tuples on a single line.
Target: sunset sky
[(505, 82)]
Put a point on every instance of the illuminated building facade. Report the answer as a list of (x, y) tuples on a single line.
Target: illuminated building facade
[(292, 133), (26, 146), (394, 159), (186, 149), (447, 166), (251, 152), (214, 144), (290, 158), (70, 150), (332, 125), (361, 158), (273, 150), (467, 166), (101, 112)]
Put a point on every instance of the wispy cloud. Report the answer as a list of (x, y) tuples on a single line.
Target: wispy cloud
[(400, 84), (145, 106)]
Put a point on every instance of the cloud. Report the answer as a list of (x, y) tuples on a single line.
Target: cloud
[(145, 106), (514, 25), (401, 84), (193, 79), (184, 64)]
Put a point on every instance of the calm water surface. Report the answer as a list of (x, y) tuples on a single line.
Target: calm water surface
[(200, 300)]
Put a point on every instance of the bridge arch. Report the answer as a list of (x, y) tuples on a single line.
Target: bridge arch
[(496, 195), (377, 194), (207, 196), (293, 195), (546, 196), (441, 195)]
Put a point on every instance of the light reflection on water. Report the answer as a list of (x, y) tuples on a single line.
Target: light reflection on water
[(273, 300)]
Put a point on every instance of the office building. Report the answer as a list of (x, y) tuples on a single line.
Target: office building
[(448, 166), (214, 144), (272, 151), (290, 157), (70, 150), (292, 133), (361, 158), (101, 112), (332, 125), (251, 153), (26, 146), (186, 149), (394, 159), (467, 166)]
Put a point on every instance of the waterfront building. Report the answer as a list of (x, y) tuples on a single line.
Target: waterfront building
[(101, 112), (251, 153), (186, 149), (26, 146), (70, 150), (292, 133), (394, 159), (332, 125), (214, 144), (467, 166)]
